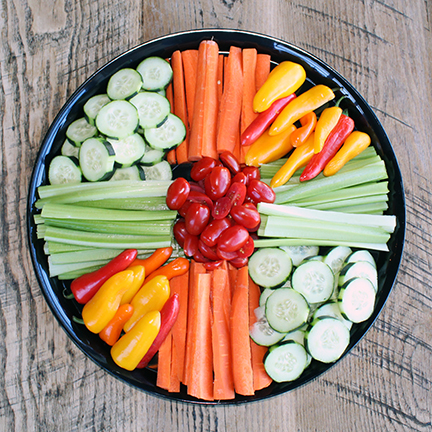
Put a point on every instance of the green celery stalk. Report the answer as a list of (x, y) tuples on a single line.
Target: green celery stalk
[(336, 205), (373, 208), (150, 203), (51, 247), (58, 269)]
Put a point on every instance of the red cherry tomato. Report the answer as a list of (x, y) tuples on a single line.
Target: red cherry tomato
[(201, 198), (202, 168), (197, 218), (199, 257), (236, 194), (246, 216), (222, 207), (240, 178), (224, 255), (229, 160), (196, 187), (217, 182), (252, 173), (247, 250), (260, 192), (213, 230), (182, 211), (207, 251), (239, 262), (190, 245), (233, 238), (177, 193), (180, 231), (213, 265)]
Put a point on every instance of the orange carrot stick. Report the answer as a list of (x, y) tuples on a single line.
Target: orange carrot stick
[(222, 355), (200, 383), (240, 339), (180, 107), (262, 70), (260, 377), (230, 106), (195, 140), (171, 155), (163, 378), (174, 385), (220, 74), (190, 63), (232, 273)]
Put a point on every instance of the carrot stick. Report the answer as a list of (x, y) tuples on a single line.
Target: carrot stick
[(220, 74), (230, 106), (180, 107), (174, 385), (240, 339), (195, 140), (163, 378), (260, 377), (190, 62), (200, 383), (262, 70), (232, 273), (180, 285), (171, 155), (211, 105), (222, 355), (249, 87)]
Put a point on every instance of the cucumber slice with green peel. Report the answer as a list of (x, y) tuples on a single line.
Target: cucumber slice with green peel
[(153, 109), (300, 253), (97, 159), (134, 173), (124, 84), (270, 267), (286, 310), (117, 119), (336, 257), (361, 255), (356, 300), (129, 150), (167, 136), (93, 105), (331, 309), (267, 292), (286, 362), (156, 73), (261, 332), (315, 280), (327, 339), (160, 171), (79, 130), (362, 269), (64, 169), (296, 336), (152, 157), (69, 149)]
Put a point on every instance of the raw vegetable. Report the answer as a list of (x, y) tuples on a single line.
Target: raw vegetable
[(177, 267), (112, 331), (158, 258), (300, 136), (326, 123)]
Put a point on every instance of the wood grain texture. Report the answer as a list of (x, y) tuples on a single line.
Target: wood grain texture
[(47, 49)]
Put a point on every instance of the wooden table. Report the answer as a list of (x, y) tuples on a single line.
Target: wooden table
[(384, 48)]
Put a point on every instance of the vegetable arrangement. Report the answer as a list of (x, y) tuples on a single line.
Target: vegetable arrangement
[(254, 266)]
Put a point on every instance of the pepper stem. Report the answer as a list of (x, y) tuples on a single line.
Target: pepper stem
[(77, 320), (68, 296)]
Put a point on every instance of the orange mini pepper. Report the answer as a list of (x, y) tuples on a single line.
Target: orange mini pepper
[(158, 258), (111, 332), (139, 277), (177, 267), (300, 136)]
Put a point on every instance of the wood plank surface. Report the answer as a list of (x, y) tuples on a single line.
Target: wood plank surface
[(47, 49)]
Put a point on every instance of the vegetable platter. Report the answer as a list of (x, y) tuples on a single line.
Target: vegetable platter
[(317, 73)]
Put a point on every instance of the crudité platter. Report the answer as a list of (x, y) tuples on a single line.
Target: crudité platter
[(270, 257)]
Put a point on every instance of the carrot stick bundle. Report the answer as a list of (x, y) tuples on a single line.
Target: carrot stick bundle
[(262, 70), (163, 379), (171, 155), (190, 64)]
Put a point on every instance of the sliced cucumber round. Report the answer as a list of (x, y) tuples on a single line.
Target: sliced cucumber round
[(327, 339), (331, 309), (79, 130), (362, 269), (336, 257), (160, 171), (296, 336), (93, 106), (299, 253), (129, 150), (69, 149), (267, 292), (361, 255), (286, 362), (153, 109), (117, 119), (286, 310), (357, 300), (270, 267), (156, 73), (134, 173), (167, 136), (64, 169), (261, 332), (96, 158), (152, 157), (124, 84)]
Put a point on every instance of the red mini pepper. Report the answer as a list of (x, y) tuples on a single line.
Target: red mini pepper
[(87, 285), (264, 120), (333, 143), (168, 315)]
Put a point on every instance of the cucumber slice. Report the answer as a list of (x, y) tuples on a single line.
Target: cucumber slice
[(152, 157), (357, 300), (69, 149), (156, 73), (124, 84), (270, 267), (286, 362), (315, 280), (361, 255), (286, 310), (336, 257), (327, 339), (265, 295), (331, 309), (134, 173), (96, 159), (167, 136), (129, 150), (64, 169), (79, 130), (117, 119), (160, 171), (93, 106), (299, 253), (153, 109), (261, 332), (296, 336), (362, 269)]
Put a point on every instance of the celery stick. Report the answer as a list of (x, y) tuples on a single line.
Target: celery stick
[(336, 205), (77, 273), (67, 211), (150, 203), (55, 247), (57, 269), (373, 208)]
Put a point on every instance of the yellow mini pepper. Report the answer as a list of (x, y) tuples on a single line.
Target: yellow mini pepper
[(139, 276), (268, 148), (307, 102), (283, 80), (355, 143), (101, 308), (326, 123), (151, 296), (128, 351)]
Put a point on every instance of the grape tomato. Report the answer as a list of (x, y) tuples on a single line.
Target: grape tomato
[(217, 182), (201, 169), (197, 218), (236, 194), (180, 231), (190, 245), (177, 193), (233, 238), (247, 217), (240, 178), (201, 198), (251, 173), (229, 161), (239, 262), (221, 208), (213, 230), (199, 257), (258, 191), (247, 250), (224, 255), (207, 251)]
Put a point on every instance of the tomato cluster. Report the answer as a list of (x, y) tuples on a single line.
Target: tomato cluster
[(218, 210)]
